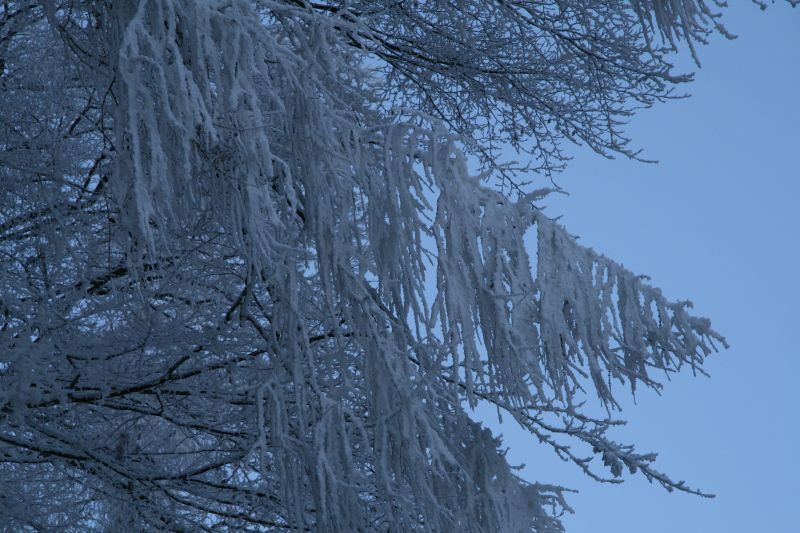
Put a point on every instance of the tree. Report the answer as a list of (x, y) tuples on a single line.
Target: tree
[(249, 283)]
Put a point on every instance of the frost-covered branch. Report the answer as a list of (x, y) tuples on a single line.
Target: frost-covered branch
[(248, 283)]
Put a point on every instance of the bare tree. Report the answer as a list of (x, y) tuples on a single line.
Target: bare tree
[(217, 223)]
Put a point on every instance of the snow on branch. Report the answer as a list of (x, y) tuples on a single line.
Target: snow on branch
[(576, 314), (226, 320)]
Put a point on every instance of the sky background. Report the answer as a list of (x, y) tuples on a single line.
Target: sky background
[(717, 222)]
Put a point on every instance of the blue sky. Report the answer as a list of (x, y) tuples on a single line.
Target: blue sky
[(717, 222)]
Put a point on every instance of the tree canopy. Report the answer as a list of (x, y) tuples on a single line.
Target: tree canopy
[(250, 283)]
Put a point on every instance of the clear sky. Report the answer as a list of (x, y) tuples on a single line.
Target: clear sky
[(717, 222)]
